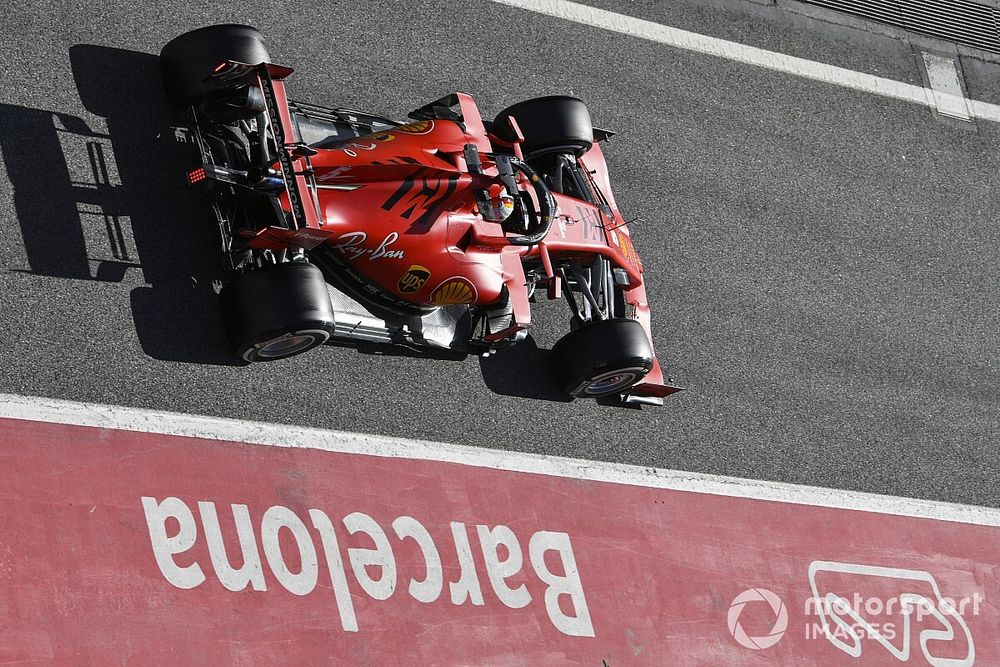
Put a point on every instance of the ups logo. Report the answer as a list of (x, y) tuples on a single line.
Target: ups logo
[(413, 279)]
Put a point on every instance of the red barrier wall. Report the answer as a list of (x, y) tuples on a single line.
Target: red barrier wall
[(120, 547)]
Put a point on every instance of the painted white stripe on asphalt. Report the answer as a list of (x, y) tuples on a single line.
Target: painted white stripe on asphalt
[(278, 435), (750, 55), (943, 77)]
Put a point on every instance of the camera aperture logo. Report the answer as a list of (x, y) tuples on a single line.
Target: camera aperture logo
[(903, 608), (777, 629)]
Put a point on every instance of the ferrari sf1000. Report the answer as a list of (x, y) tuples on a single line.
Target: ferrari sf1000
[(436, 234)]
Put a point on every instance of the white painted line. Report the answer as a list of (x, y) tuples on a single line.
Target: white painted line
[(751, 55), (943, 77), (278, 435)]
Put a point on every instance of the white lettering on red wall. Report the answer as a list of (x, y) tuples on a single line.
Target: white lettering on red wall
[(174, 530)]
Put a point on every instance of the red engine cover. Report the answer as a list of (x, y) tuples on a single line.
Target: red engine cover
[(399, 205)]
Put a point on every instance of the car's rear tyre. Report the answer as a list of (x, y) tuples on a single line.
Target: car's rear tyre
[(187, 60), (602, 357), (554, 124), (277, 312)]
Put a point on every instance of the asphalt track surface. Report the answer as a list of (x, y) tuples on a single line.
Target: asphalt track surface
[(822, 263)]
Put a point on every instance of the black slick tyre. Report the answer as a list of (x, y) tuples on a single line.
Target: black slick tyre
[(553, 124), (601, 358), (277, 312), (187, 60)]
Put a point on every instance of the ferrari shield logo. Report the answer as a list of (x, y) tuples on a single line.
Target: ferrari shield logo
[(413, 279), (454, 291)]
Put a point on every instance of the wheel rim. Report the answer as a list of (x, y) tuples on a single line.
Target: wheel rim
[(290, 344), (613, 381)]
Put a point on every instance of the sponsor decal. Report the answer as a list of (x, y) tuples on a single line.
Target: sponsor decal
[(284, 158), (421, 191), (593, 230), (307, 237), (454, 291), (383, 249), (416, 127), (413, 279), (279, 237), (629, 250), (307, 234), (334, 174), (352, 246), (353, 147), (622, 241)]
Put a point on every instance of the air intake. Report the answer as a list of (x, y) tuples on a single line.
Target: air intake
[(969, 23)]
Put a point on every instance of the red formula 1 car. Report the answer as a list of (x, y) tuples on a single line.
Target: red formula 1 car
[(436, 235)]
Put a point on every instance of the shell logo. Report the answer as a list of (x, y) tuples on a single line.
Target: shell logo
[(454, 291), (416, 127)]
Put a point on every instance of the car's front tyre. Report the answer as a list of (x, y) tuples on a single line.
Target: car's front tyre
[(602, 357), (553, 124)]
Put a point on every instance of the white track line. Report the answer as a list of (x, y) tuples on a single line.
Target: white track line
[(750, 55), (277, 435)]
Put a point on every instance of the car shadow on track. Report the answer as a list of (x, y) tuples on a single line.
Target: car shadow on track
[(176, 315), (522, 370), (94, 203), (51, 201)]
